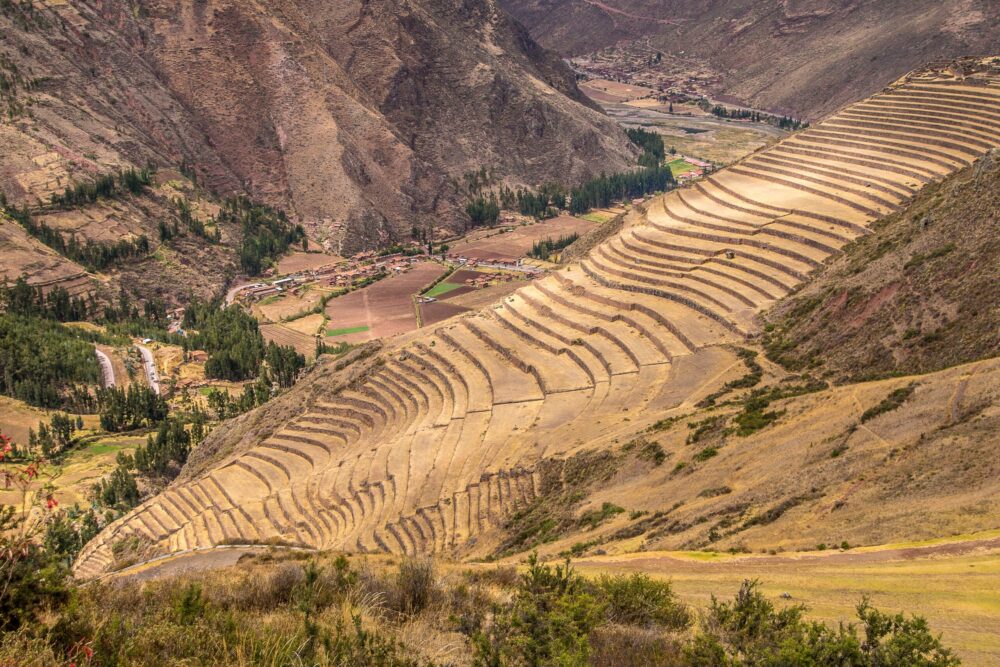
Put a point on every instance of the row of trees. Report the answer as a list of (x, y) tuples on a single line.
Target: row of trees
[(653, 150), (483, 207), (107, 185), (93, 255), (606, 190), (28, 301), (543, 249), (235, 346), (784, 122), (230, 336), (254, 394), (483, 210)]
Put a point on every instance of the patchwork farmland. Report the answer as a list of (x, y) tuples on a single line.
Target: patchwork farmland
[(440, 436), (383, 309)]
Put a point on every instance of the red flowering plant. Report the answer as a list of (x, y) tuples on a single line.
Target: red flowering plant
[(30, 580)]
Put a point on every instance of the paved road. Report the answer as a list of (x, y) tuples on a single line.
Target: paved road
[(150, 365), (107, 370)]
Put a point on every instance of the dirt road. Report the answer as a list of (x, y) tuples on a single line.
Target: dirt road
[(149, 365), (107, 370)]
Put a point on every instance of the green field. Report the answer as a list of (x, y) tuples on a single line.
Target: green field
[(596, 217), (678, 167), (442, 287), (346, 330)]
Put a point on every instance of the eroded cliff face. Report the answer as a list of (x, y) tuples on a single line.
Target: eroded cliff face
[(353, 116)]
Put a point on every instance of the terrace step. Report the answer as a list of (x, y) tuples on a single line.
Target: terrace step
[(956, 132), (474, 381), (508, 382), (613, 353), (644, 313), (638, 336), (941, 161), (714, 282), (704, 297), (944, 150), (729, 272), (780, 256), (849, 198), (598, 273), (551, 371), (540, 335), (806, 244), (913, 174)]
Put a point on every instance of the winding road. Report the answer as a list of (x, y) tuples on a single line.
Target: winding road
[(107, 370)]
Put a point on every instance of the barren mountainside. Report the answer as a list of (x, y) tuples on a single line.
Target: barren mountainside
[(353, 117), (805, 57)]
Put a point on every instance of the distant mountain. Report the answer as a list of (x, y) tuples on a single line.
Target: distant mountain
[(805, 57), (353, 117)]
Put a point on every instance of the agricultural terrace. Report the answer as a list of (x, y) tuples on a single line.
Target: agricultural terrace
[(383, 309), (284, 334), (297, 261)]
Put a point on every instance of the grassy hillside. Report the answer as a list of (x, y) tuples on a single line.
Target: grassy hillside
[(918, 294)]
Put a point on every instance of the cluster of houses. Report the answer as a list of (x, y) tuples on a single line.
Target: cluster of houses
[(342, 274)]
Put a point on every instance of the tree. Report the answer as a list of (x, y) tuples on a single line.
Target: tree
[(547, 623)]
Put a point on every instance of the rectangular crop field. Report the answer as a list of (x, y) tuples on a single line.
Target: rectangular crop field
[(281, 335), (346, 330), (385, 308), (678, 167), (442, 287)]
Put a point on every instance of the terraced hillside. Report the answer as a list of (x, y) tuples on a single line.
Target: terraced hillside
[(441, 437)]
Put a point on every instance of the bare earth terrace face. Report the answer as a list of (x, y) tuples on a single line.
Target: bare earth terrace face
[(441, 441)]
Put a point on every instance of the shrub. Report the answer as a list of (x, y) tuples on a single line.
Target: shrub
[(750, 631), (895, 399), (629, 646), (706, 454), (414, 585), (639, 600), (593, 518), (547, 623), (715, 491)]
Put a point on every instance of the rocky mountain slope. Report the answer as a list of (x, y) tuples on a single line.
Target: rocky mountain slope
[(352, 118), (464, 437), (805, 57), (920, 294)]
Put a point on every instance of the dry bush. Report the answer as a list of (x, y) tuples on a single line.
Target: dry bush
[(630, 646), (501, 576)]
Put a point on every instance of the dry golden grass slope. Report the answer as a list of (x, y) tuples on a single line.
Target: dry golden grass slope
[(447, 435)]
